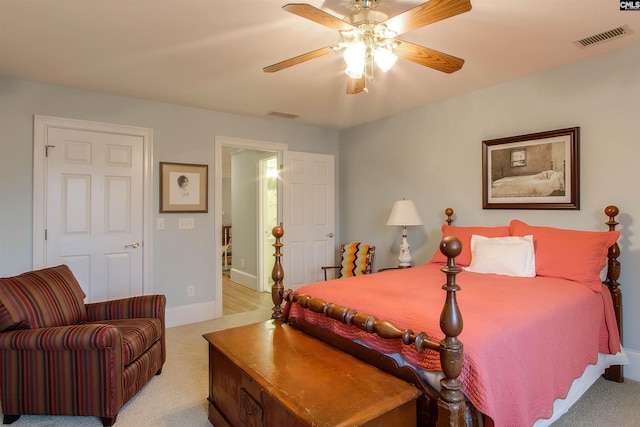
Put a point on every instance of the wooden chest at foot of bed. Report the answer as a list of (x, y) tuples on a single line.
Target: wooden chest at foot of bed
[(270, 374)]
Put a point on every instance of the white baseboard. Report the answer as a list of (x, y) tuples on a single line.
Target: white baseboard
[(245, 279), (632, 370), (192, 313)]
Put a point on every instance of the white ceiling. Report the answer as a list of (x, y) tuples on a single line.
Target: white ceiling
[(210, 53)]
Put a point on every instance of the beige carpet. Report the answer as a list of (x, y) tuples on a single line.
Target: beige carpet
[(178, 397)]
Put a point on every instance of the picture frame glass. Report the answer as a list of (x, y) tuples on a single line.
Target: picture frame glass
[(535, 171), (183, 187)]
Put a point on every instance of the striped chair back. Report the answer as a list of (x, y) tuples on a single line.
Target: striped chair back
[(356, 259), (41, 299)]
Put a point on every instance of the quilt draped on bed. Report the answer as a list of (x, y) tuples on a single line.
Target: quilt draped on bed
[(525, 339)]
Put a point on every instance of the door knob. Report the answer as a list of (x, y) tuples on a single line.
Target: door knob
[(330, 235), (133, 245)]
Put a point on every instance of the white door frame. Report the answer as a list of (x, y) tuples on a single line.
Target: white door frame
[(221, 141), (262, 280), (41, 124)]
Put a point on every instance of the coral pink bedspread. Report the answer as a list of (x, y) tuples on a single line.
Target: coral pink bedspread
[(525, 339)]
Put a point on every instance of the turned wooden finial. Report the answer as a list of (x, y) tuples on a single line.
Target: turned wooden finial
[(612, 212), (450, 246), (277, 232), (449, 213), (277, 274)]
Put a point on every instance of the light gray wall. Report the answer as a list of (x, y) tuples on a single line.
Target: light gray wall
[(244, 204), (226, 201), (433, 156), (180, 134)]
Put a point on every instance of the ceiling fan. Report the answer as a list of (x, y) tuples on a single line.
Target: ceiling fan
[(369, 36)]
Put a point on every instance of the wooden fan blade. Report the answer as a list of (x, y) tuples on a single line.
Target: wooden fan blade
[(355, 86), (427, 13), (298, 59), (428, 57), (317, 15)]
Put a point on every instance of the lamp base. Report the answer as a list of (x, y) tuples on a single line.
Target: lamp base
[(404, 258)]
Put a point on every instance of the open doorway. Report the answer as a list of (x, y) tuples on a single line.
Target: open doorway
[(247, 207)]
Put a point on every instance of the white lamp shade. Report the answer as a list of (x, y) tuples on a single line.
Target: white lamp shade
[(404, 213)]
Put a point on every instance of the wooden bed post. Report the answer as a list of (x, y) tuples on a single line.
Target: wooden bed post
[(449, 213), (614, 372), (277, 274), (451, 404)]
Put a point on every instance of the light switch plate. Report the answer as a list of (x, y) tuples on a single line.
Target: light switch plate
[(186, 223), (159, 223)]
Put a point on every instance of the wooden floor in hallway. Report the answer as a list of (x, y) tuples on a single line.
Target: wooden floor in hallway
[(237, 298)]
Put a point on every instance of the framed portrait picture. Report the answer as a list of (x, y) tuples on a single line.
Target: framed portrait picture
[(534, 171), (183, 187)]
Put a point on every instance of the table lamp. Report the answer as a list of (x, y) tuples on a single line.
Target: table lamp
[(404, 214)]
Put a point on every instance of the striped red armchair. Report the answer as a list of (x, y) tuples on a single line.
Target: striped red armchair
[(59, 356)]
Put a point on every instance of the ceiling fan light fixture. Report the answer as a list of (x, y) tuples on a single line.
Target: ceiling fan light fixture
[(369, 36), (356, 53), (384, 58), (383, 33), (355, 70)]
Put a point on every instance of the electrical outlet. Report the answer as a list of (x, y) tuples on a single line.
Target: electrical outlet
[(191, 291), (242, 263)]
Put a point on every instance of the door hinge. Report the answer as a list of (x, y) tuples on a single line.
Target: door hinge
[(46, 149), (45, 234)]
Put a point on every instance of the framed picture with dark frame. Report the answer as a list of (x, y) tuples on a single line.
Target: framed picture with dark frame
[(183, 188), (533, 171)]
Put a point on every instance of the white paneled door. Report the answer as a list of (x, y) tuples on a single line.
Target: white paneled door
[(94, 209), (308, 216)]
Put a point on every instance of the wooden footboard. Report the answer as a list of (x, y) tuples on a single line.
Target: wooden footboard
[(451, 408)]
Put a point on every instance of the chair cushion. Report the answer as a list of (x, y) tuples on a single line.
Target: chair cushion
[(138, 334), (42, 298), (354, 259)]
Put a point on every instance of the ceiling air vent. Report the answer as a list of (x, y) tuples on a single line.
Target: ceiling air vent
[(604, 36), (283, 115)]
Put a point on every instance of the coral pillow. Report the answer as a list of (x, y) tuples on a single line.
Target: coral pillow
[(570, 254), (464, 235), (508, 256)]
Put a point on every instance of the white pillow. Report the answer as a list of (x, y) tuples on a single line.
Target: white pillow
[(509, 256)]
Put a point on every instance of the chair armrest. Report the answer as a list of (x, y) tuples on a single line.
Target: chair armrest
[(127, 308), (62, 338), (327, 267)]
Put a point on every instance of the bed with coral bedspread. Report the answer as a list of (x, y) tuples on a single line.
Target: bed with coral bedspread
[(526, 339)]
